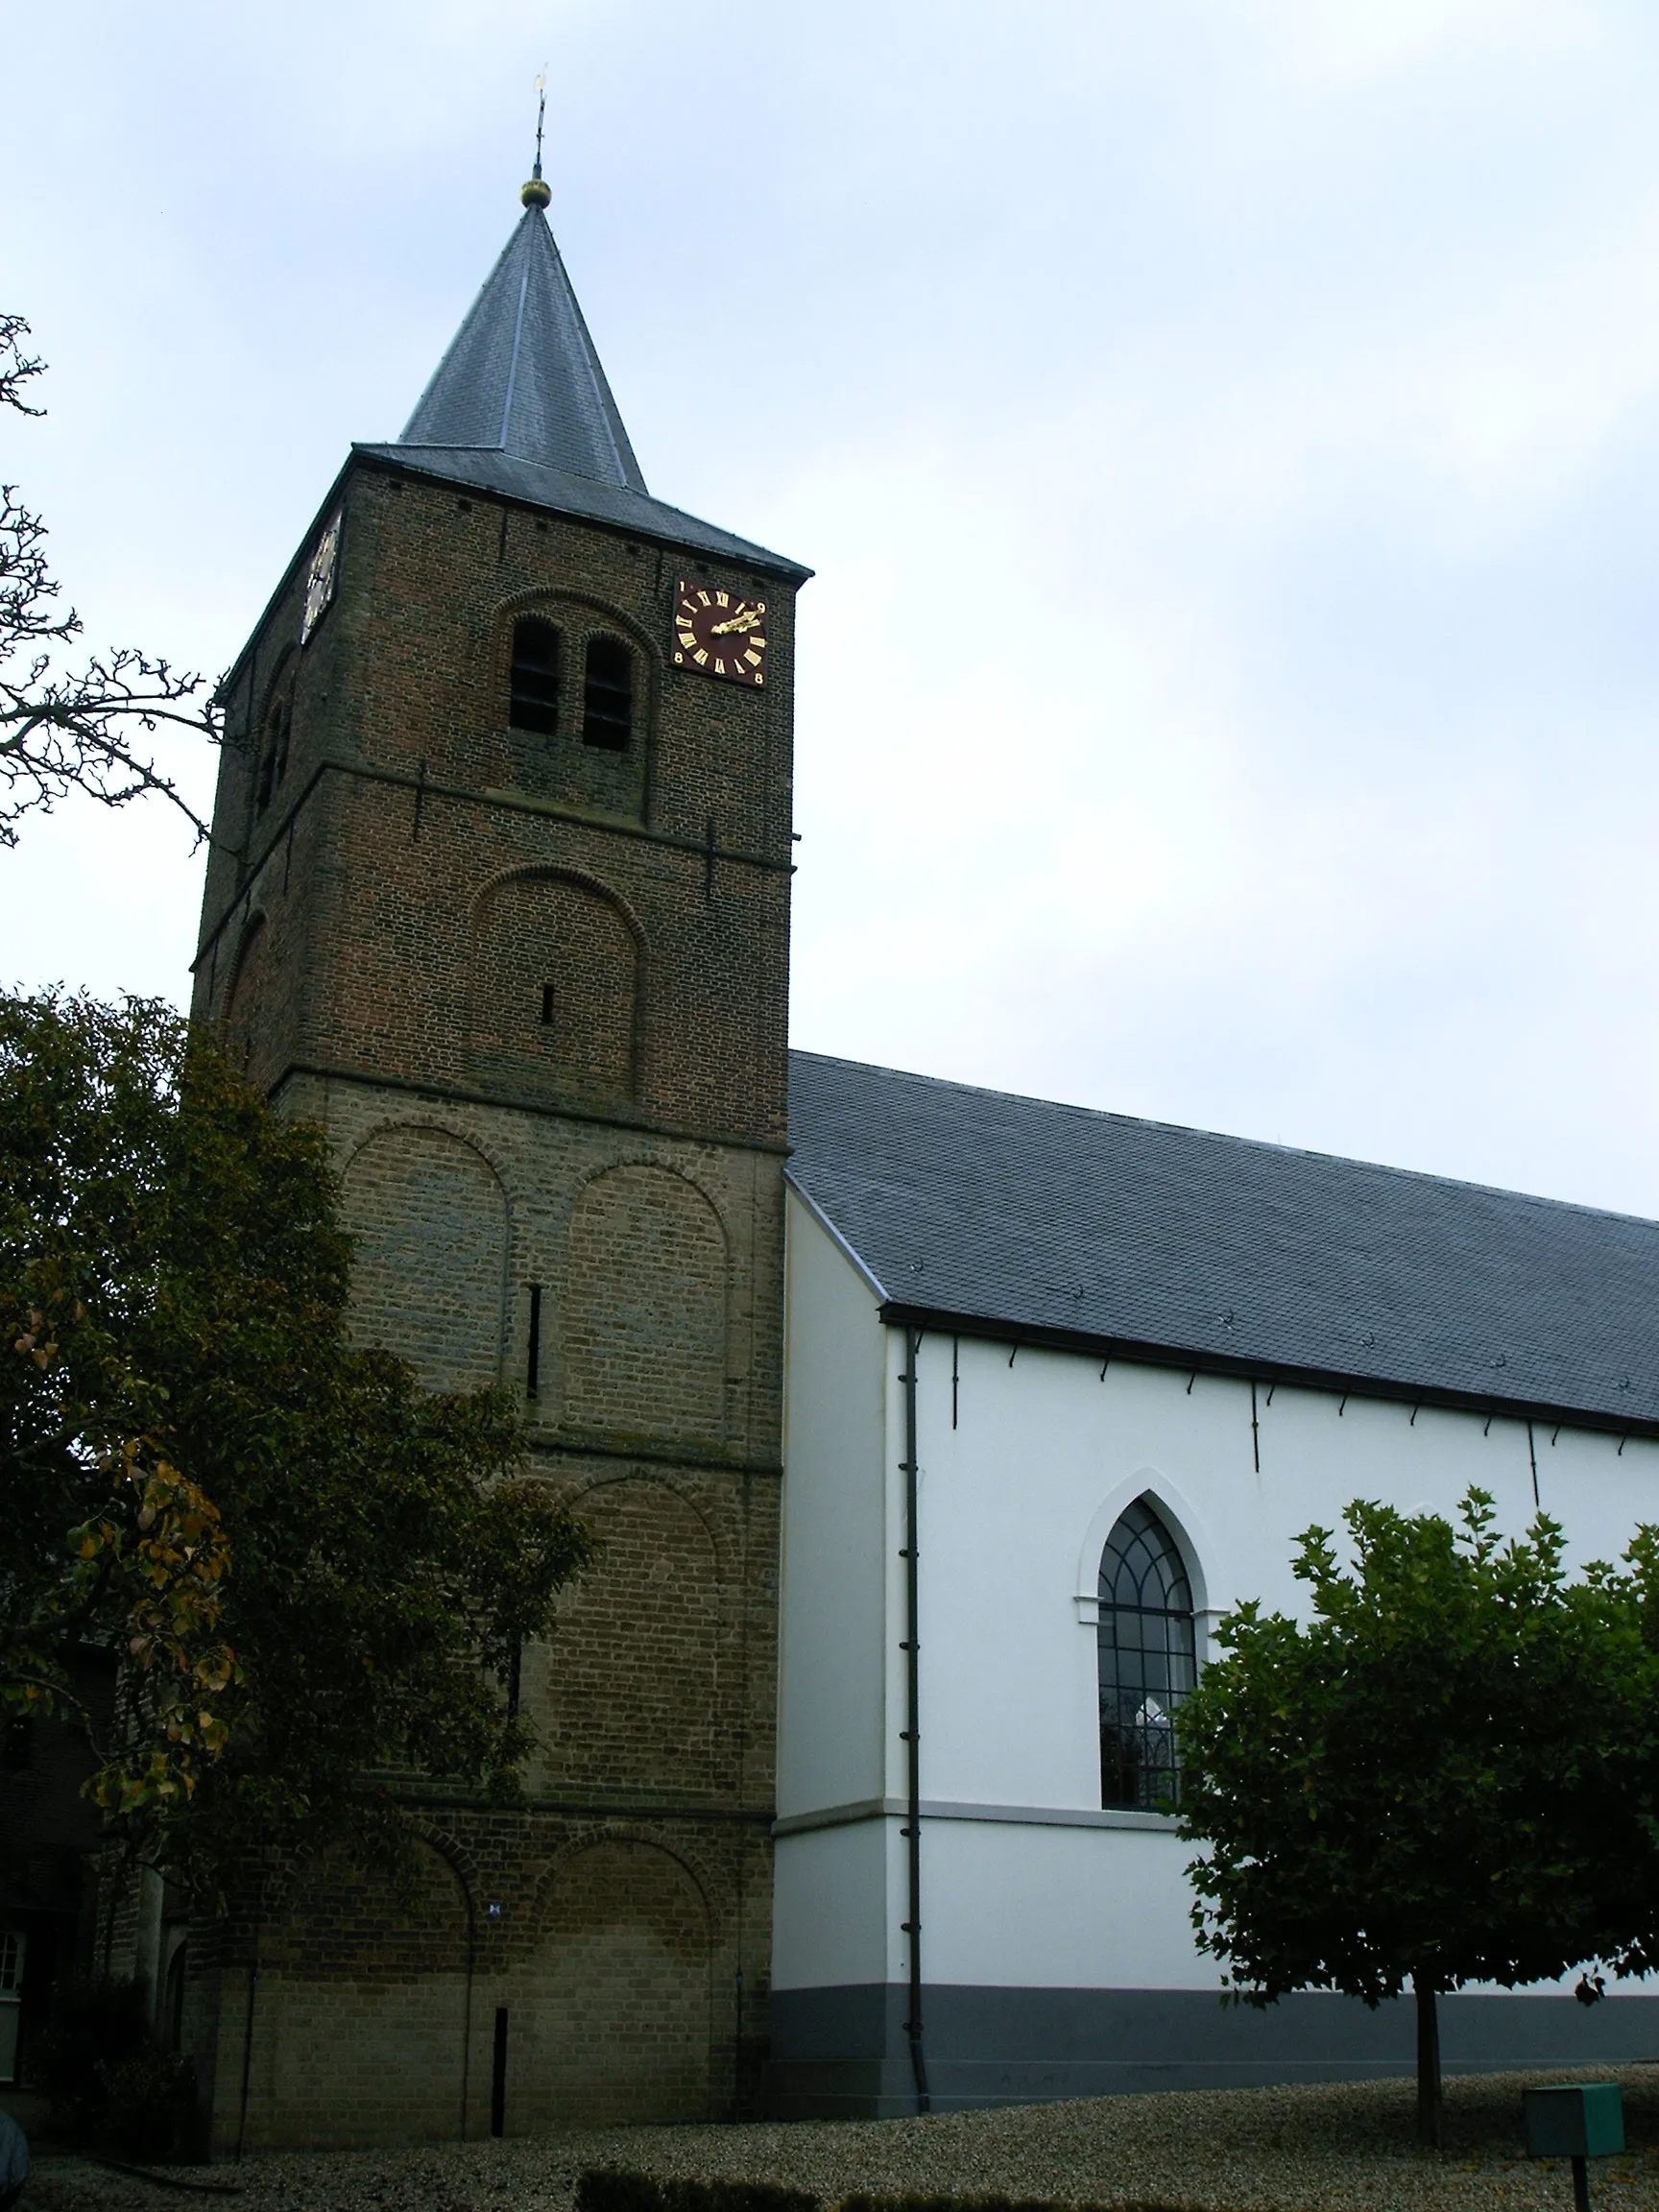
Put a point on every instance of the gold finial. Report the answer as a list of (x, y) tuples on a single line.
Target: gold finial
[(535, 194)]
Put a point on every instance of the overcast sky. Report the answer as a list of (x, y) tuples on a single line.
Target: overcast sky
[(1226, 433)]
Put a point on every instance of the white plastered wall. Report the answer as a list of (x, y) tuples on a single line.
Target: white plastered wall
[(1027, 1883), (831, 1918)]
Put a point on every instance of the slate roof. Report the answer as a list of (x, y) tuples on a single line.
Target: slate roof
[(1055, 1222), (521, 376), (520, 405)]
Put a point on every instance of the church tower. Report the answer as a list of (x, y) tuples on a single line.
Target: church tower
[(501, 894)]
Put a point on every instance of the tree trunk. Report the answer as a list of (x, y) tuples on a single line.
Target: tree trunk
[(1427, 2065)]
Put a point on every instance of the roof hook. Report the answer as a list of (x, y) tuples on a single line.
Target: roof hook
[(535, 194)]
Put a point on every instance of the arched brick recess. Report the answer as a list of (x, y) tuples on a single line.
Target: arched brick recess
[(634, 1661), (543, 1910), (558, 765), (287, 1883), (361, 2010), (610, 2015), (245, 994), (430, 1218), (546, 942), (581, 609), (644, 1325)]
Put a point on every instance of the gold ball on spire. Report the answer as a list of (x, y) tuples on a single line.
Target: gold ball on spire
[(535, 194)]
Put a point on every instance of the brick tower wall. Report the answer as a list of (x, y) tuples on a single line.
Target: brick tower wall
[(382, 924)]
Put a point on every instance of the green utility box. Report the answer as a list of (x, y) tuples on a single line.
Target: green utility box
[(1574, 2120)]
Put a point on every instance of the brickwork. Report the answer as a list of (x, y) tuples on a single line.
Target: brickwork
[(615, 1999), (359, 2017), (430, 1218), (644, 1337), (245, 1014), (555, 989), (567, 770), (536, 991), (633, 1672), (613, 1947), (562, 1182), (406, 795)]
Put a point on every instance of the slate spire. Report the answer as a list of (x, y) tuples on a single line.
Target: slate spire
[(520, 375)]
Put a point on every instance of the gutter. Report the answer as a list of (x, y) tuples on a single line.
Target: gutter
[(897, 1313)]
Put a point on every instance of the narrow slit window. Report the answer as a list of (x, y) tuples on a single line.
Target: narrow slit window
[(535, 690), (533, 1345), (1148, 1661), (547, 1005), (608, 702)]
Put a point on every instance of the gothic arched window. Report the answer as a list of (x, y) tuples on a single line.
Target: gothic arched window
[(534, 698), (608, 702), (1147, 1660)]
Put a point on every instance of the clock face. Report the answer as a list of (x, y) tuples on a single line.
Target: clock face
[(719, 634), (319, 579)]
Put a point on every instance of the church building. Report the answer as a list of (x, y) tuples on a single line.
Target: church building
[(928, 1431)]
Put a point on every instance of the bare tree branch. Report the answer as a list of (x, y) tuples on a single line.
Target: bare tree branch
[(83, 728), (16, 366)]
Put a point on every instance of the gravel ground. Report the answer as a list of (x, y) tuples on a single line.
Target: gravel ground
[(1289, 2149)]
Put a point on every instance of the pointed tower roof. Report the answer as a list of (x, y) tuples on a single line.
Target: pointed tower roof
[(519, 405), (521, 376)]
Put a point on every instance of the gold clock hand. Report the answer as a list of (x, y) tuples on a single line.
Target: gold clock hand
[(741, 621)]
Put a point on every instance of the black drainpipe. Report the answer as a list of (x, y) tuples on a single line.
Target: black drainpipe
[(912, 1649)]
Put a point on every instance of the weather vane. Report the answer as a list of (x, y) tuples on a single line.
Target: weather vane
[(536, 193)]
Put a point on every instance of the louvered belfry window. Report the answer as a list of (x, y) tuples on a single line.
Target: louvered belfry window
[(608, 702), (534, 700), (1147, 1660)]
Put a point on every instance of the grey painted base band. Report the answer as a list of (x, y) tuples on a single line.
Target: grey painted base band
[(842, 2052)]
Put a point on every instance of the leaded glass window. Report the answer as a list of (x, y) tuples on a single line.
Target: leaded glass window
[(1147, 1660)]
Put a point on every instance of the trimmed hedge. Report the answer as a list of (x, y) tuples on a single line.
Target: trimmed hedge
[(617, 2189)]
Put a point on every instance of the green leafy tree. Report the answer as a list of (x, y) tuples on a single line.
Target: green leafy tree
[(312, 1574), (1630, 1868), (1426, 1782)]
